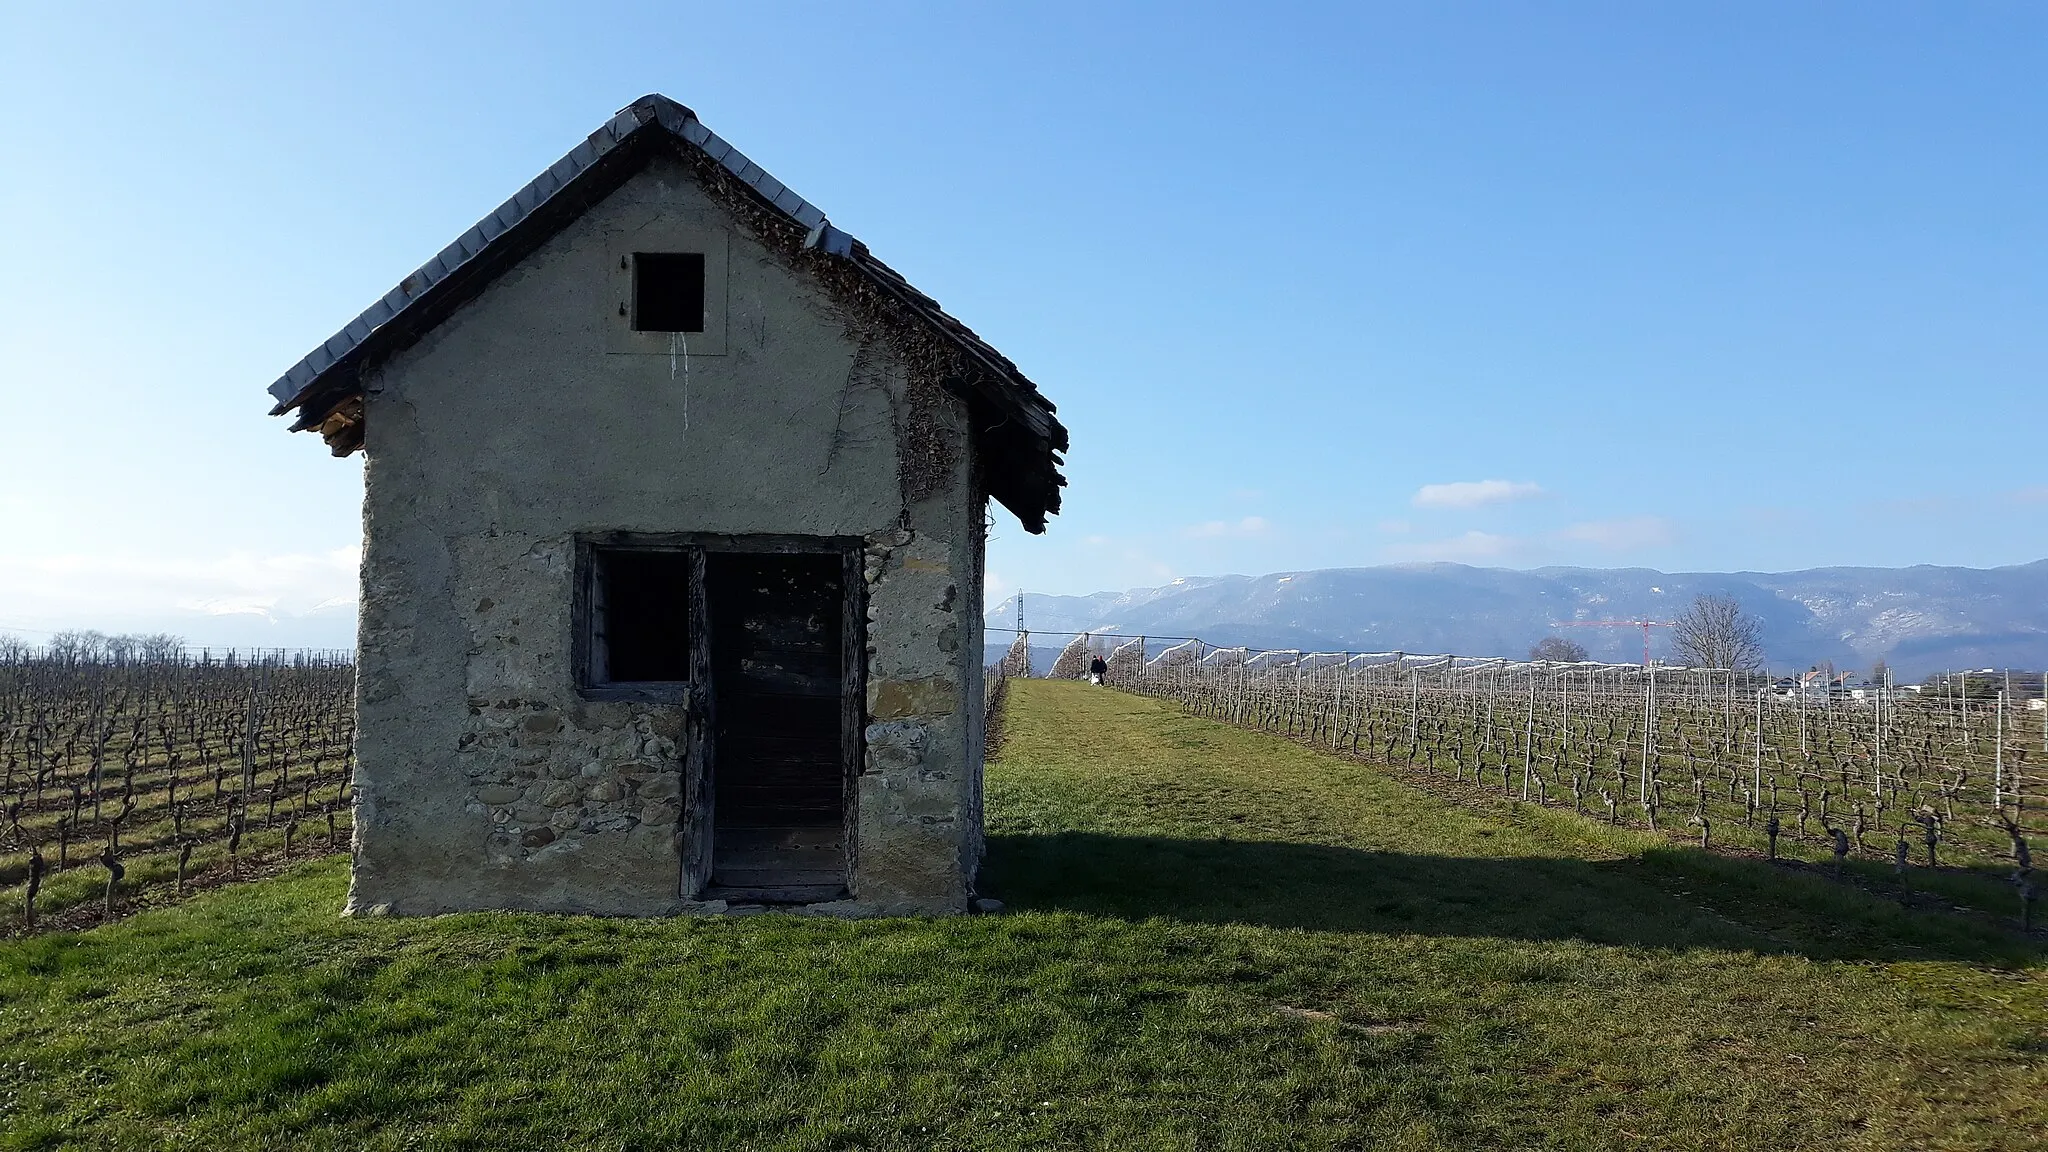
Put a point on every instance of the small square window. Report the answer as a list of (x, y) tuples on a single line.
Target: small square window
[(668, 291), (639, 616)]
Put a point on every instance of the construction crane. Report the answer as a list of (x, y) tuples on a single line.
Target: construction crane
[(1645, 625)]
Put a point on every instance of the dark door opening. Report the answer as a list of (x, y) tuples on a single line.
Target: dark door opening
[(778, 685)]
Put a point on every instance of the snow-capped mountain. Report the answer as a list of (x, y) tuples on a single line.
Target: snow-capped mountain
[(1921, 620)]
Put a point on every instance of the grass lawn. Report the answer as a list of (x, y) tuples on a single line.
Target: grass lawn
[(1217, 939)]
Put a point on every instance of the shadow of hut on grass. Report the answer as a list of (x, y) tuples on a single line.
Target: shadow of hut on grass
[(1670, 898)]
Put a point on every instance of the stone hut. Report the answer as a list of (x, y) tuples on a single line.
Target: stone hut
[(674, 514)]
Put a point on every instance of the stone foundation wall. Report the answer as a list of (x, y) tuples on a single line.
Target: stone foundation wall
[(547, 779)]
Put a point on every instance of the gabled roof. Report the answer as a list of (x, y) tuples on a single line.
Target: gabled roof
[(1020, 437)]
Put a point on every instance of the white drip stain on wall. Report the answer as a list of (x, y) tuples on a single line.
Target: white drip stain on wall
[(679, 345)]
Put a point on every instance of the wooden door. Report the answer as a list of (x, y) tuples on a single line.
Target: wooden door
[(777, 725)]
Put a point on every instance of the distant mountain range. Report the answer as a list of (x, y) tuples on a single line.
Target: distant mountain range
[(1920, 620)]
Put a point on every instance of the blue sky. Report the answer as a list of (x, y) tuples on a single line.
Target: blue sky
[(1753, 286)]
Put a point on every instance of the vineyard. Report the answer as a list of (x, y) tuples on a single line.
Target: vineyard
[(126, 783), (1938, 794)]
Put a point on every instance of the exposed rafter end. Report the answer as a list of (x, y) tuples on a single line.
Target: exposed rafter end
[(343, 427)]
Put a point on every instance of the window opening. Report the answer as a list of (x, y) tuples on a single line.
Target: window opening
[(668, 291), (641, 617)]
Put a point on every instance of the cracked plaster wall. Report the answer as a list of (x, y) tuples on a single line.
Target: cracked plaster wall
[(485, 780)]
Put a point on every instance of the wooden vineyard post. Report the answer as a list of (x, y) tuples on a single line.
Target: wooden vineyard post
[(249, 744), (1998, 759), (2022, 874), (114, 873), (1337, 700), (1529, 739), (2044, 724), (1414, 699), (1757, 770), (36, 867), (1649, 721)]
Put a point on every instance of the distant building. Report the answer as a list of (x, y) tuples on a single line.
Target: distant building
[(1811, 686), (674, 522), (1986, 684)]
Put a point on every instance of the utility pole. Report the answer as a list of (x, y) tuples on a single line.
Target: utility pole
[(1645, 625)]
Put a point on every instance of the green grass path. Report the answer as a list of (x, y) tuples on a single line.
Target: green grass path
[(1216, 940)]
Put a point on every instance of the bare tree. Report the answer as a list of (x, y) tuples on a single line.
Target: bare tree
[(1558, 649), (1716, 633), (119, 649), (160, 648), (78, 647), (83, 646)]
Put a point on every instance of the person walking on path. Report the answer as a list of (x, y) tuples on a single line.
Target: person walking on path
[(1097, 670)]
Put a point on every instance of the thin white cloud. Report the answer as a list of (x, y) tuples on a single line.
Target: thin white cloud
[(1466, 549), (76, 590), (1473, 493), (994, 588), (1220, 529), (1621, 535)]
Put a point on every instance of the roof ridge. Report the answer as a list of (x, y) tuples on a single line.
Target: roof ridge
[(463, 264)]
